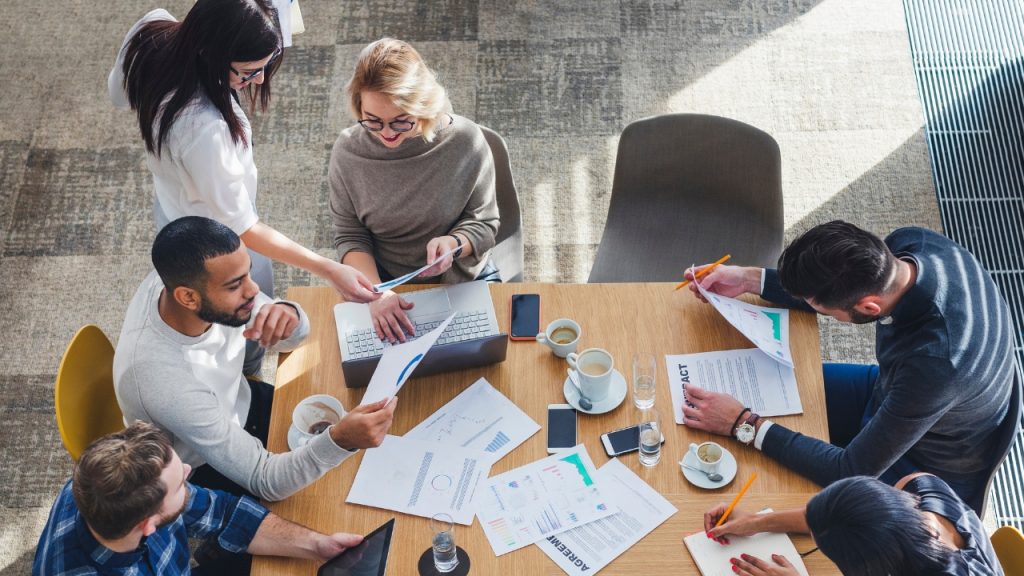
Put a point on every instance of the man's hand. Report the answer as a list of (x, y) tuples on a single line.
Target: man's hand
[(740, 523), (747, 565), (330, 545), (728, 281), (365, 426), (435, 248), (352, 284), (389, 318), (273, 323), (711, 411)]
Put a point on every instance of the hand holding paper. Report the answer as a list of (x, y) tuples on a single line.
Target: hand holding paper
[(403, 279)]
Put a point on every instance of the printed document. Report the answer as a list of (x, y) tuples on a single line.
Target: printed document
[(712, 558), (549, 496), (766, 386), (481, 418), (591, 547), (420, 478), (403, 279), (397, 364), (767, 328)]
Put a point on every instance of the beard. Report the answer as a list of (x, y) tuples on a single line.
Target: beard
[(172, 518), (858, 318), (209, 313)]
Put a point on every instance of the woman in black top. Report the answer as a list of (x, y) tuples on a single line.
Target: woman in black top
[(867, 527)]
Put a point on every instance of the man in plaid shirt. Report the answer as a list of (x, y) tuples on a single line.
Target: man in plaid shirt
[(129, 510)]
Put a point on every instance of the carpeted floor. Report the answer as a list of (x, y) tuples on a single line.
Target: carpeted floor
[(831, 80)]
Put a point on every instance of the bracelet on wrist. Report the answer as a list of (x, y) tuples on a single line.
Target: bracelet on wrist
[(458, 247), (737, 421)]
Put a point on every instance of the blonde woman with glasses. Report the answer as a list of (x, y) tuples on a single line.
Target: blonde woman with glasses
[(410, 182)]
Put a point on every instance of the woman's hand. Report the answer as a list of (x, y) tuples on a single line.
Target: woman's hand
[(740, 523), (435, 248), (747, 565), (352, 284), (389, 318)]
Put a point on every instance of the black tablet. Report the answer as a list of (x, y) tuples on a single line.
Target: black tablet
[(369, 558)]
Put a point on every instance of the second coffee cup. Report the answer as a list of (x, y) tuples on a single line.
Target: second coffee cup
[(593, 368), (562, 336)]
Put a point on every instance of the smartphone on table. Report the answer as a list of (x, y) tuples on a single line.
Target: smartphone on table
[(525, 311), (623, 440), (562, 428)]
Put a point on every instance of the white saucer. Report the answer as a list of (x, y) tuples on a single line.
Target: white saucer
[(295, 440), (616, 394), (727, 469)]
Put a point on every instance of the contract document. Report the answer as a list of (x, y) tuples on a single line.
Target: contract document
[(591, 547), (420, 478), (397, 364), (549, 496), (481, 418), (766, 386), (767, 328)]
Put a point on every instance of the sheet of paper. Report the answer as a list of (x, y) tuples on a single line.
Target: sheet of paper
[(766, 386), (591, 547), (546, 497), (284, 12), (420, 478), (712, 558), (767, 328), (403, 279), (397, 364), (481, 418)]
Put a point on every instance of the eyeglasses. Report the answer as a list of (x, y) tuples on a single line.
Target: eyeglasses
[(397, 126), (256, 73)]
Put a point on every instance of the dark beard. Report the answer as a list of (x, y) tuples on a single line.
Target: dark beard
[(235, 319), (858, 318)]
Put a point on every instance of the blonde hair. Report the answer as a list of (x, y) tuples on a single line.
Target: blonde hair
[(395, 69)]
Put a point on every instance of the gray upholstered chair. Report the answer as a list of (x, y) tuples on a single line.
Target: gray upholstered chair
[(508, 249), (688, 189)]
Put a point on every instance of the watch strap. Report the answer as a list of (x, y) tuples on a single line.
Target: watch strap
[(736, 422)]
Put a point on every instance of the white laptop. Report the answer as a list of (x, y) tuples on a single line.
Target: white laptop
[(471, 339)]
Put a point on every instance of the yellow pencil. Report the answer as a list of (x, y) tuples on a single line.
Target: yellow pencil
[(736, 500), (703, 272)]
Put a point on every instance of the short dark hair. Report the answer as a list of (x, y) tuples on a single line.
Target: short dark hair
[(182, 248), (117, 483), (868, 527), (836, 264)]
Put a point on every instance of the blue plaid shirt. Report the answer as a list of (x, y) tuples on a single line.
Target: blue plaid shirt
[(68, 547)]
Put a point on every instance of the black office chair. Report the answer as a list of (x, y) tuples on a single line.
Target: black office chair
[(688, 189), (1005, 435), (508, 249)]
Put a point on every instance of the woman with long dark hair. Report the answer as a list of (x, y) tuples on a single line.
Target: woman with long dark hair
[(186, 81)]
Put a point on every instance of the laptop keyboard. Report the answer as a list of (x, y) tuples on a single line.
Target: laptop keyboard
[(465, 326)]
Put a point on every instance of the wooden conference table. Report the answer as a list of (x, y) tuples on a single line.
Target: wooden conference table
[(621, 318)]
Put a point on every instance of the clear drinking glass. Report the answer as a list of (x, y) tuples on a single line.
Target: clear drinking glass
[(645, 371), (650, 437), (443, 543)]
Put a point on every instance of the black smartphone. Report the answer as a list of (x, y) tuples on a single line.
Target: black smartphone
[(562, 428), (525, 316), (623, 440)]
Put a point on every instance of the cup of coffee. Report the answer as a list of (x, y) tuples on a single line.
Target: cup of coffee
[(315, 414), (562, 336), (593, 368), (709, 456)]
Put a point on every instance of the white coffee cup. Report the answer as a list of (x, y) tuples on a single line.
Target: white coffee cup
[(593, 369), (562, 336), (315, 414), (708, 456)]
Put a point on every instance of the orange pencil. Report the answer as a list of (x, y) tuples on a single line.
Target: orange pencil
[(736, 500), (703, 272)]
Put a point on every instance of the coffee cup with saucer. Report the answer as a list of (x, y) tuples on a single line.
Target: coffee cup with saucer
[(562, 336), (695, 469), (312, 416)]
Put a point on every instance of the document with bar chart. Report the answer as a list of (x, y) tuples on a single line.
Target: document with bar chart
[(481, 418), (549, 496)]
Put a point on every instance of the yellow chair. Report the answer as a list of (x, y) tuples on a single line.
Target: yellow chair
[(1009, 545), (83, 395)]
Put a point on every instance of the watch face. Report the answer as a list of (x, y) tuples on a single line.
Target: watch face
[(745, 433)]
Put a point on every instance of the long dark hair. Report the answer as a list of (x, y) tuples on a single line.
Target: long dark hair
[(181, 59)]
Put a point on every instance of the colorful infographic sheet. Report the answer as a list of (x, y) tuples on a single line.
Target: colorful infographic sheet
[(549, 496), (767, 328)]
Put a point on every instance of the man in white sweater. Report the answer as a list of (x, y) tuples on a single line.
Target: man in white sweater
[(179, 360)]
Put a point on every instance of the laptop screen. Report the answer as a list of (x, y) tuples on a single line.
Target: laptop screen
[(369, 558)]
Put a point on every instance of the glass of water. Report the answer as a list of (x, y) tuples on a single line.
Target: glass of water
[(445, 559), (650, 437), (645, 369)]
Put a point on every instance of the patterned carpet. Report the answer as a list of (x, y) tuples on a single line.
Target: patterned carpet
[(831, 80)]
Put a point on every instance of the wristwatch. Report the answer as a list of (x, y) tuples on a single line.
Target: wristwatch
[(747, 431), (458, 247)]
